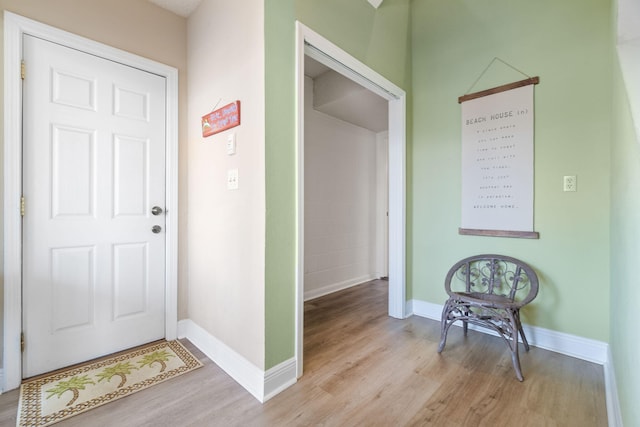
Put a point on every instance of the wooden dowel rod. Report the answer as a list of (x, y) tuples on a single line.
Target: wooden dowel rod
[(498, 89), (499, 233)]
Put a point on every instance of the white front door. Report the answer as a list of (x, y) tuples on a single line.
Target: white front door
[(93, 169)]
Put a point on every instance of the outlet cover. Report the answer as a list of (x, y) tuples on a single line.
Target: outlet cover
[(570, 183), (232, 179)]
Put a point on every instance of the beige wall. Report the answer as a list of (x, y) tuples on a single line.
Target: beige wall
[(136, 26), (226, 239)]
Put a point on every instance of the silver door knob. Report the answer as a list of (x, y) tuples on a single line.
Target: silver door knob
[(156, 210), (156, 229)]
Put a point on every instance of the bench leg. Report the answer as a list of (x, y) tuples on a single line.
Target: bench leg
[(444, 327), (513, 344), (524, 338)]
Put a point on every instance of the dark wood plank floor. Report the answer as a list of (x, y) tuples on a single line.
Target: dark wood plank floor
[(363, 368)]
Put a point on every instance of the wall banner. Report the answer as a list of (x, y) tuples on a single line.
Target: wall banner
[(497, 161)]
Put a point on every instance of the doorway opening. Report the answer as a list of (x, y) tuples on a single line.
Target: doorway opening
[(322, 51), (346, 189)]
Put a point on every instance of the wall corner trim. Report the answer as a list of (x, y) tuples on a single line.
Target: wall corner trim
[(614, 413), (279, 378), (262, 385)]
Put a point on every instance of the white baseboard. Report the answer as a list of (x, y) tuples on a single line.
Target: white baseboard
[(262, 385), (424, 309), (614, 413), (335, 287), (559, 342), (1, 379), (240, 369), (279, 378)]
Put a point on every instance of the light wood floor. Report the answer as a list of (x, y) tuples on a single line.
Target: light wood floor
[(363, 368)]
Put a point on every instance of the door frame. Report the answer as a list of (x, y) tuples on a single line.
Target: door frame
[(345, 64), (382, 205), (15, 26)]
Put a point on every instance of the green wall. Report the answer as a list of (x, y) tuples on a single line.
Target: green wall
[(625, 252), (280, 152), (377, 38), (568, 44), (435, 50)]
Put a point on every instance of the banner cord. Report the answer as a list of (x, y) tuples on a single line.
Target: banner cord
[(489, 66)]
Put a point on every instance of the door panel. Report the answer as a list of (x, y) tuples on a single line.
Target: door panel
[(130, 279), (72, 279), (130, 176), (73, 174), (131, 104), (73, 90), (94, 165)]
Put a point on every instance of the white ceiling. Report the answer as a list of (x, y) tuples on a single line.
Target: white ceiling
[(186, 7), (179, 7), (628, 18)]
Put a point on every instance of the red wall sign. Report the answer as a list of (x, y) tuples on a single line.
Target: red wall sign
[(221, 119)]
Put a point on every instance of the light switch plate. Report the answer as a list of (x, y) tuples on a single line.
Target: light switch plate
[(231, 144)]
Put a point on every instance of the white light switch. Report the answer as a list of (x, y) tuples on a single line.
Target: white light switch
[(231, 144), (232, 179)]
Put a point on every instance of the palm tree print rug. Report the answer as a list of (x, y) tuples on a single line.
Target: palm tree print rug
[(48, 399)]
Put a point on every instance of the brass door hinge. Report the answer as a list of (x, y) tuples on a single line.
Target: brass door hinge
[(22, 341), (21, 205), (23, 69)]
